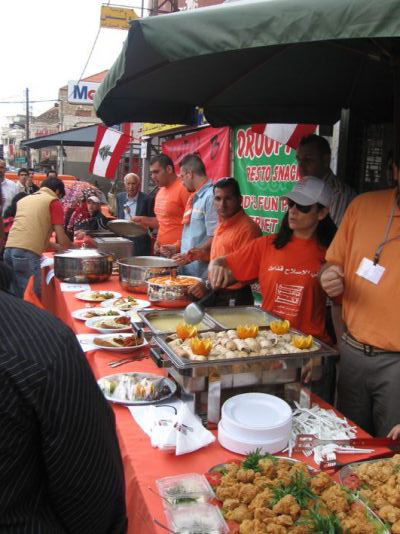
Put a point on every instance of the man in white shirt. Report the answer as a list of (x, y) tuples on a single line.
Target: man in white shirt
[(8, 188)]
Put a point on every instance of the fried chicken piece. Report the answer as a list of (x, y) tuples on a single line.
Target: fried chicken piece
[(261, 500), (226, 492), (239, 514), (335, 499), (320, 483), (247, 493), (284, 520), (263, 514), (245, 475), (228, 480), (287, 506), (231, 469), (375, 497), (358, 524), (267, 467), (273, 528), (396, 528), (230, 504), (252, 527), (389, 513), (261, 481), (300, 529), (392, 495)]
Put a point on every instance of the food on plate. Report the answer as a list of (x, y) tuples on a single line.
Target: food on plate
[(134, 387), (227, 344), (246, 331), (235, 317), (379, 486), (201, 346), (184, 330), (279, 327), (302, 342), (267, 494), (173, 280), (98, 295), (120, 322), (99, 312), (118, 341), (125, 303)]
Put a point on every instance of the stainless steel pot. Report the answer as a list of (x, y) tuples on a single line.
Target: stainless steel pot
[(133, 272), (171, 295), (83, 265)]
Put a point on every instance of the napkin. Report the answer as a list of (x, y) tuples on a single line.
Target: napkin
[(172, 427), (65, 286), (86, 342)]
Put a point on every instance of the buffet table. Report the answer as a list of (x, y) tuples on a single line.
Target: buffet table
[(143, 464)]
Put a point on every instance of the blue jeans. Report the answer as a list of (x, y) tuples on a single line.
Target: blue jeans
[(24, 264)]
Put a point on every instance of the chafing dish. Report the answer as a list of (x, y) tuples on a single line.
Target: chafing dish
[(133, 272), (203, 383), (164, 321), (170, 295), (231, 317), (119, 247), (83, 265)]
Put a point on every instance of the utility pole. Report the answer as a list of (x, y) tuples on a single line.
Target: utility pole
[(28, 150)]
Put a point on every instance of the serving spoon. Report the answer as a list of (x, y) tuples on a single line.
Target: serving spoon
[(195, 311)]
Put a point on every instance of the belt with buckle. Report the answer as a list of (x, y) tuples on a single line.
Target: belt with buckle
[(368, 350)]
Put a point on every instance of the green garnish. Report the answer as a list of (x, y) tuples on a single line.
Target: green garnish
[(253, 457), (298, 487), (321, 524)]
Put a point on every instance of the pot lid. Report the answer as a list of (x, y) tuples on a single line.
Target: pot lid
[(125, 228), (81, 253)]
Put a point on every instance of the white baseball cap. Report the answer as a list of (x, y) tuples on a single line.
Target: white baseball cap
[(93, 198), (311, 190)]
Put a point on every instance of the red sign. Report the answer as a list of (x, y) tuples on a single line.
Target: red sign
[(211, 144)]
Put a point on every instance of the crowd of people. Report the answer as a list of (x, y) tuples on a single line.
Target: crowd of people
[(331, 270)]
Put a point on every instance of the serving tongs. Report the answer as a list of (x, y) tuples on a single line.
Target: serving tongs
[(307, 442), (333, 465)]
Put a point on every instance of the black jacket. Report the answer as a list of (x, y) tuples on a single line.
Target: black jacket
[(145, 206)]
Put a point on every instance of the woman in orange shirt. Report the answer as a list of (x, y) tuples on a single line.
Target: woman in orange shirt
[(287, 264)]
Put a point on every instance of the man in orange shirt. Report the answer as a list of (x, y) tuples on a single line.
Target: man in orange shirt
[(363, 266), (235, 229), (170, 203)]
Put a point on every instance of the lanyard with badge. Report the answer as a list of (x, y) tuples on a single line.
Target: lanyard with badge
[(371, 270)]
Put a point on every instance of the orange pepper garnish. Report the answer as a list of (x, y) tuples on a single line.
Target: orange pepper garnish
[(302, 342), (185, 331), (202, 347), (279, 327), (245, 331)]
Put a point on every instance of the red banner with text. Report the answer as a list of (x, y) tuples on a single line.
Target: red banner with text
[(211, 144)]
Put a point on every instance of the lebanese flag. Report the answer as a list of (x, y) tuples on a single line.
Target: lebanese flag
[(109, 147), (286, 134)]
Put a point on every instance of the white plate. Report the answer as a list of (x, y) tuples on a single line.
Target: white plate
[(91, 323), (80, 314), (244, 444), (169, 382), (87, 295), (139, 306), (117, 349)]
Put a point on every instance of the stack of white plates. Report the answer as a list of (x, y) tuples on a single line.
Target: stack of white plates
[(255, 420)]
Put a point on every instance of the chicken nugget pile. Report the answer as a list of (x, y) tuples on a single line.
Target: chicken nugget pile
[(265, 494), (380, 487)]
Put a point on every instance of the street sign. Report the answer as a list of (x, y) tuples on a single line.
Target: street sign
[(20, 160), (82, 92), (116, 17)]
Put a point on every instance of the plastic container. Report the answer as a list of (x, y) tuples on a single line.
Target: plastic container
[(197, 519), (184, 490), (244, 445), (257, 417)]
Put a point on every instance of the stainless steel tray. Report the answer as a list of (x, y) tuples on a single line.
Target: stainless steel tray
[(227, 366), (264, 318), (146, 316)]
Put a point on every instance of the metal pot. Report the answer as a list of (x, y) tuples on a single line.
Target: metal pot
[(133, 272), (171, 295), (83, 265)]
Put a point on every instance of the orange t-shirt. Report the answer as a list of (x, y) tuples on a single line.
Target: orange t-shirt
[(233, 233), (370, 311), (169, 206), (289, 280)]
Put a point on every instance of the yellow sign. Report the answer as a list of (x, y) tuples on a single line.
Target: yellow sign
[(150, 128), (116, 17)]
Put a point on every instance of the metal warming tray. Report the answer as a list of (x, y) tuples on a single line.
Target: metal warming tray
[(202, 383), (239, 315), (148, 315), (119, 247)]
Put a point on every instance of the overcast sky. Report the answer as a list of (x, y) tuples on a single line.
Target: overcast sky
[(45, 43)]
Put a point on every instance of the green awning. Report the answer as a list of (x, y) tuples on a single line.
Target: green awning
[(260, 61)]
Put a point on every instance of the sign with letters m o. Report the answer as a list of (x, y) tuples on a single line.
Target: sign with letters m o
[(82, 92)]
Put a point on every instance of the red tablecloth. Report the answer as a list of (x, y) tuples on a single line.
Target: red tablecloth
[(143, 464)]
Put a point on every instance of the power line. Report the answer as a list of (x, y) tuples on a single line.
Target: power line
[(30, 101)]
